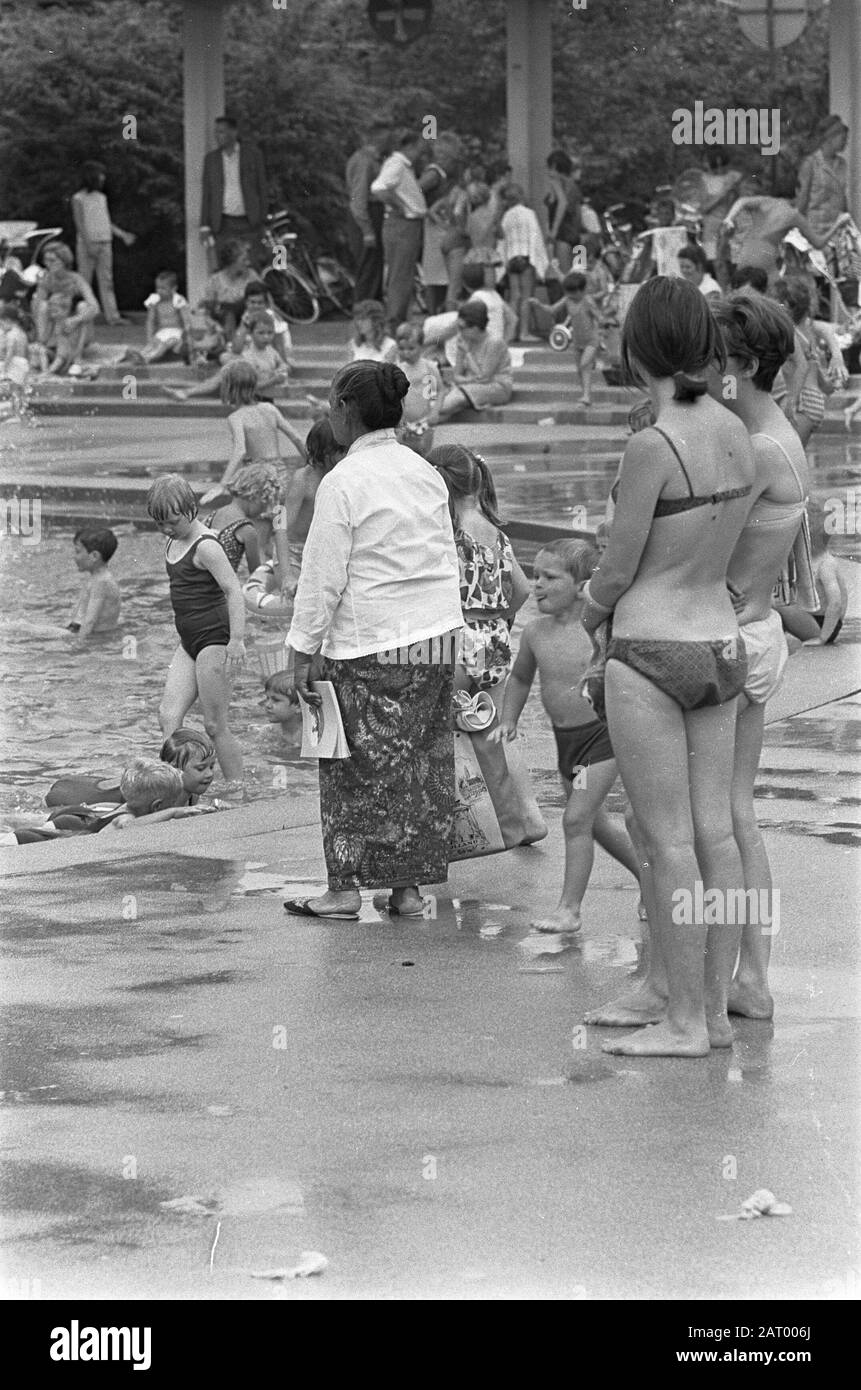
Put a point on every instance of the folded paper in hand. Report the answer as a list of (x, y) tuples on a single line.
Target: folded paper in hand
[(323, 733)]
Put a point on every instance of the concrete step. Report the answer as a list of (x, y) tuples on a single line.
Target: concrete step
[(135, 384), (543, 414)]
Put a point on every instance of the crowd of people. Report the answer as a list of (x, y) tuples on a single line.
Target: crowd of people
[(383, 562)]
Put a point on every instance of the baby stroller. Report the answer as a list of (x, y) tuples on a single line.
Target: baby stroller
[(23, 242)]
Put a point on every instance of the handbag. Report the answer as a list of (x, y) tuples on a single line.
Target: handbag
[(475, 829), (473, 713)]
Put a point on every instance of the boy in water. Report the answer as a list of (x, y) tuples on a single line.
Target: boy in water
[(556, 646), (98, 608), (281, 707)]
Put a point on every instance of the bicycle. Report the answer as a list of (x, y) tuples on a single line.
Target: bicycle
[(298, 281)]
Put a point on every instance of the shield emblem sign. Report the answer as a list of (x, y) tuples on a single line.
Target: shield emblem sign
[(400, 21), (772, 23)]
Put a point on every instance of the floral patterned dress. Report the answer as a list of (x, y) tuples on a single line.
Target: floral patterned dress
[(486, 584)]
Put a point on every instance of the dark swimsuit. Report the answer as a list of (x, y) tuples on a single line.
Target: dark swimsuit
[(199, 605), (581, 745), (694, 674)]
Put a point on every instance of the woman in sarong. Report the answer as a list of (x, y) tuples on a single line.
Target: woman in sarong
[(377, 612)]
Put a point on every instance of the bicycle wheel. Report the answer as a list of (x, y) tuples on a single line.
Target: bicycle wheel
[(337, 284), (293, 295)]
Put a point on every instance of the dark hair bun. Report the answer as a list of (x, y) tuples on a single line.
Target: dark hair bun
[(394, 384), (688, 387)]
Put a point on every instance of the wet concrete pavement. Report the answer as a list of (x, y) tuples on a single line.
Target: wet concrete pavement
[(417, 1100)]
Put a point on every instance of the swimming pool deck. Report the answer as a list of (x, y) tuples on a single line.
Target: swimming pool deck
[(418, 1100)]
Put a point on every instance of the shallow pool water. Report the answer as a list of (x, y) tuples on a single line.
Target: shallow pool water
[(66, 706), (70, 707)]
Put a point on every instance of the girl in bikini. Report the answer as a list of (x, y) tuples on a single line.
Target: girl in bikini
[(758, 336), (676, 665)]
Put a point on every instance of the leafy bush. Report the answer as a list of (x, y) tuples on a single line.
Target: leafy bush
[(304, 81)]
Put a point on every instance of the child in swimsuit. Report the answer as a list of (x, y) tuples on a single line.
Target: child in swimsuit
[(98, 608), (256, 494), (192, 753), (152, 793), (210, 619), (582, 319), (555, 646), (281, 705), (254, 428)]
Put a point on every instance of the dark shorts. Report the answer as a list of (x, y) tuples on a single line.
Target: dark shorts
[(819, 618), (582, 746)]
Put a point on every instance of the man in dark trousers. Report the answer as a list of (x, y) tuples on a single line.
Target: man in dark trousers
[(235, 200), (397, 188), (366, 214)]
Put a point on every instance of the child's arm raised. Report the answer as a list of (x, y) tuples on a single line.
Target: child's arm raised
[(211, 557), (517, 691)]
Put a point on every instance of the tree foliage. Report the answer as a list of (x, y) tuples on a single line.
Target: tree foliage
[(305, 80)]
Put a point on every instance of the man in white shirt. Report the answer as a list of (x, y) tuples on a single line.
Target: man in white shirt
[(693, 267), (235, 199), (398, 189)]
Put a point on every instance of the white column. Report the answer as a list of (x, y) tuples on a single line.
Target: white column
[(845, 87), (529, 94), (202, 101)]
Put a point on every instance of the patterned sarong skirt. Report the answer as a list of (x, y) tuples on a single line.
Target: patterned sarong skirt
[(387, 809)]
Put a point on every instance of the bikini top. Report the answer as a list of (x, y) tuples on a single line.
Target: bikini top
[(672, 506), (763, 512)]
